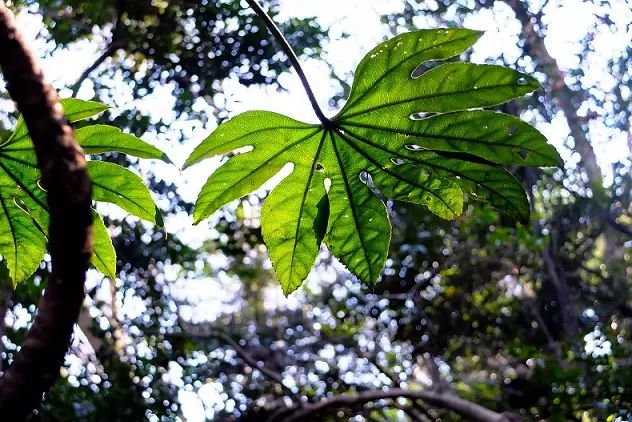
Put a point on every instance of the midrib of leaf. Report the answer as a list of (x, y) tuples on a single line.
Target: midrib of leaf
[(18, 160), (23, 187), (463, 156), (12, 228), (427, 164), (307, 186), (457, 155), (25, 149), (117, 194), (387, 171), (13, 140), (354, 212), (397, 66), (447, 138), (425, 97), (98, 257)]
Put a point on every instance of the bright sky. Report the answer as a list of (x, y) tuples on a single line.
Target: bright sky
[(567, 25)]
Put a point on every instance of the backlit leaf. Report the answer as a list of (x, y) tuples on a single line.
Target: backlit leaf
[(97, 139), (23, 206), (104, 255), (117, 185), (408, 131)]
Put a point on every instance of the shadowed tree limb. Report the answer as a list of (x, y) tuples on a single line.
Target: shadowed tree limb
[(36, 366), (470, 411), (112, 46), (568, 100)]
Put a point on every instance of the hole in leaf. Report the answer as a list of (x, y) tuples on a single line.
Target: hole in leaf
[(523, 153), (41, 185), (414, 147), (522, 81), (423, 68), (319, 167), (397, 161), (425, 172), (364, 177), (327, 184), (20, 204), (419, 116), (511, 130)]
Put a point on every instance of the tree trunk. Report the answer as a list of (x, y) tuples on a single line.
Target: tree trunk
[(36, 366)]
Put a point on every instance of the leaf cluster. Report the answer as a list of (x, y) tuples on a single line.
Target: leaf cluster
[(24, 211)]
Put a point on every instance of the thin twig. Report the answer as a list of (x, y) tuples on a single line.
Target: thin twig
[(112, 45), (108, 52), (248, 359), (291, 55)]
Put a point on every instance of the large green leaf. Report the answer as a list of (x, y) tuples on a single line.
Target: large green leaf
[(23, 206), (405, 133)]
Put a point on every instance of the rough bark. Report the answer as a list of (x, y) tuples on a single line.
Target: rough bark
[(36, 366)]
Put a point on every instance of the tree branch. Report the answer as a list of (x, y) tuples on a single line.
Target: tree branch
[(113, 45), (62, 163), (568, 100), (108, 52), (248, 358), (471, 411)]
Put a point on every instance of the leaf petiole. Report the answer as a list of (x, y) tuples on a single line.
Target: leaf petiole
[(287, 49)]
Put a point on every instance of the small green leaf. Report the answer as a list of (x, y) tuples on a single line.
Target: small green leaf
[(446, 88), (246, 172), (494, 137), (22, 244), (97, 139), (384, 67), (482, 182), (252, 128), (388, 140), (74, 109), (104, 255), (294, 217), (160, 222), (117, 185)]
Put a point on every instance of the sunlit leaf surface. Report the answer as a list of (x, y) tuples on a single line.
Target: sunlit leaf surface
[(408, 132), (23, 206)]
